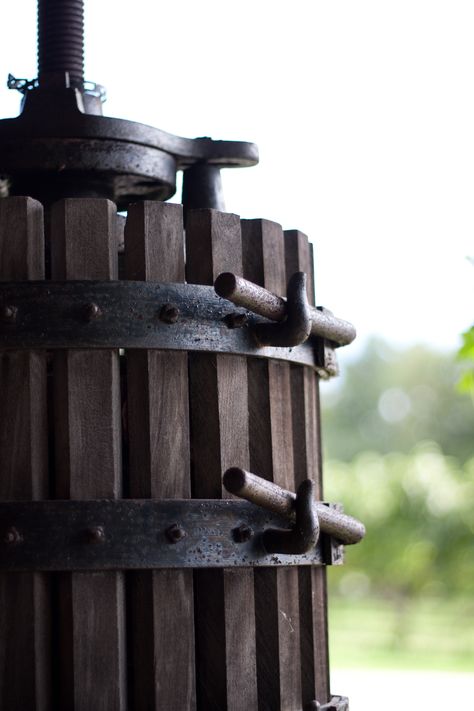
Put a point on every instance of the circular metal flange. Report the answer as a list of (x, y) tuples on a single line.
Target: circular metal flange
[(132, 314), (55, 149)]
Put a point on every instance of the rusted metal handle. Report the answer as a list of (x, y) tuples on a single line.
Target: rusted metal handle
[(305, 533), (264, 303), (270, 496), (296, 327)]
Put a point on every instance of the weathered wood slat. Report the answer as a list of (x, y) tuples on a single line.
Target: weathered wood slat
[(319, 581), (271, 456), (225, 612), (306, 439), (25, 658), (162, 628), (88, 465)]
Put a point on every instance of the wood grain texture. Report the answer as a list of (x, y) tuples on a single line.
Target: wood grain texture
[(271, 456), (92, 670), (25, 626), (225, 611), (307, 448), (162, 626)]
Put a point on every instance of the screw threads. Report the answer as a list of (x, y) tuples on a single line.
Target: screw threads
[(61, 38)]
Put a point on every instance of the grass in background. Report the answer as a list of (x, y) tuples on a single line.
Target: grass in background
[(413, 634)]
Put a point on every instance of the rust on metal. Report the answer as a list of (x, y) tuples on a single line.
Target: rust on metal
[(91, 314), (169, 313), (242, 533), (150, 534), (296, 327), (282, 502), (264, 303), (304, 535), (175, 533)]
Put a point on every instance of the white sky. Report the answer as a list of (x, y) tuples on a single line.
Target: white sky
[(364, 115)]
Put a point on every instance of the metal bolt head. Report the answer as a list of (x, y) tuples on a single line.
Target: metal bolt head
[(92, 311), (169, 313), (242, 533), (236, 320), (95, 534), (175, 533), (12, 535), (9, 313)]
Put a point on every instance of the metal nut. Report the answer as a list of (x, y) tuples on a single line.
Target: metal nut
[(92, 312), (12, 535), (95, 534), (236, 320), (175, 533), (169, 313), (242, 533), (9, 313)]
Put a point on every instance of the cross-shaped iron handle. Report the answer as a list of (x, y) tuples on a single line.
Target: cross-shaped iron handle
[(270, 496)]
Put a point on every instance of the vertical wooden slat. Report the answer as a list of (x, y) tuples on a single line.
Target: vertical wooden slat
[(162, 628), (25, 679), (88, 466), (225, 611), (307, 447), (271, 456)]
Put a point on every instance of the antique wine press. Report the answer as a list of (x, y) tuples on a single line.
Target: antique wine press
[(152, 377)]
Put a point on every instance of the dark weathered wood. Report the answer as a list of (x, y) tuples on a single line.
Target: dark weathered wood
[(88, 466), (225, 612), (161, 630), (25, 678), (271, 456), (307, 448)]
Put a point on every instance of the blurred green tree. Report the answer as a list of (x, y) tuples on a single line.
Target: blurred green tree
[(418, 510), (388, 400), (466, 355)]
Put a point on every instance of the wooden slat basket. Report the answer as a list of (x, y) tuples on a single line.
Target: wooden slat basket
[(122, 423)]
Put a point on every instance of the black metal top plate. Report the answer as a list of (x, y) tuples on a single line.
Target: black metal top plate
[(54, 113), (54, 147), (54, 315), (135, 534)]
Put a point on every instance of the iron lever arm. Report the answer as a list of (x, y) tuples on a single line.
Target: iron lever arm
[(264, 303), (270, 496)]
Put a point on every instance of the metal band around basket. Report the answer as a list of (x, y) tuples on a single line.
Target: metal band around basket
[(337, 703), (131, 534), (133, 314)]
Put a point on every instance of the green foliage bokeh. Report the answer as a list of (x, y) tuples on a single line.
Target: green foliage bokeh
[(418, 511), (389, 400), (466, 355), (399, 441)]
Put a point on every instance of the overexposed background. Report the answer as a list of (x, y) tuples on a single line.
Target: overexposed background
[(364, 115)]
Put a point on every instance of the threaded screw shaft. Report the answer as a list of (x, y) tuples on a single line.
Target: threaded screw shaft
[(61, 38)]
